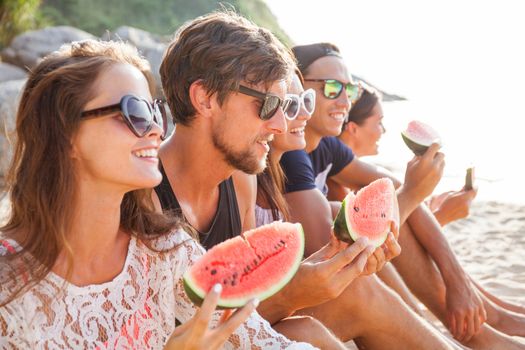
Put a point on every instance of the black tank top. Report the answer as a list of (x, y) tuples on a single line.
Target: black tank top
[(227, 221)]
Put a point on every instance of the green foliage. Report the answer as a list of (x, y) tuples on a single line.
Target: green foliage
[(17, 16), (156, 16)]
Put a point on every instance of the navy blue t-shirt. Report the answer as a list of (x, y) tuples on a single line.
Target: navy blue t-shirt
[(306, 171)]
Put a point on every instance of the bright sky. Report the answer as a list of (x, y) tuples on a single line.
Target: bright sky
[(461, 63), (398, 44)]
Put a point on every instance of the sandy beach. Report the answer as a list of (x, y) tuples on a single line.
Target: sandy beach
[(491, 246), (490, 243)]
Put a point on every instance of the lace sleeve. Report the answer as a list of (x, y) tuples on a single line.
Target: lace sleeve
[(254, 333)]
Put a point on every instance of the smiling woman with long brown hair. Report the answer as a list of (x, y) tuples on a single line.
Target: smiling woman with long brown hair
[(85, 262)]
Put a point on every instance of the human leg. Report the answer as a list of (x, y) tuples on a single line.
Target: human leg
[(308, 329), (392, 279), (501, 303), (424, 280), (376, 318)]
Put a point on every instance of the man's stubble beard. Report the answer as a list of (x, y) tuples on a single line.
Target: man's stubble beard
[(244, 161)]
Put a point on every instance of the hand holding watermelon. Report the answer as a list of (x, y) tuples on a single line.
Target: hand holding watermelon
[(384, 253), (452, 205), (196, 333), (325, 274), (423, 173)]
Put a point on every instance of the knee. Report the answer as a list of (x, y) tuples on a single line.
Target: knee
[(310, 330), (369, 295)]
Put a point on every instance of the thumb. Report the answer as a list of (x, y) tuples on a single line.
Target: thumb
[(432, 150)]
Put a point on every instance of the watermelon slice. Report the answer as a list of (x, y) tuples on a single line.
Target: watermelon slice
[(368, 213), (256, 264), (419, 136)]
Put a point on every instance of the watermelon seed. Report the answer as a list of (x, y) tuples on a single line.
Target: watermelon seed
[(356, 209), (213, 272), (235, 275), (234, 282), (383, 215), (225, 281)]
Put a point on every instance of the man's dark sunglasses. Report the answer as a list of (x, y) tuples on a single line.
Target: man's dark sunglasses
[(332, 88), (271, 102), (138, 113)]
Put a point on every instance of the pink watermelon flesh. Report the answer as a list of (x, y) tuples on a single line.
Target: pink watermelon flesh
[(368, 213), (419, 136), (257, 264)]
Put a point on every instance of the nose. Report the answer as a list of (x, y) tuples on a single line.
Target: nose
[(343, 101), (277, 123), (303, 113), (383, 130), (155, 132)]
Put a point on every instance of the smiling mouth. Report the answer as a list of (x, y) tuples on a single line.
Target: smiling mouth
[(146, 153), (338, 116), (297, 131)]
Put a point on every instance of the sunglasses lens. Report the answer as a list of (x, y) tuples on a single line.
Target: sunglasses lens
[(309, 101), (270, 106), (332, 89), (293, 107), (352, 91), (160, 117), (139, 114)]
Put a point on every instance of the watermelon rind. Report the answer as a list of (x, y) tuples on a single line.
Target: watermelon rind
[(418, 148), (341, 230), (197, 294), (344, 231)]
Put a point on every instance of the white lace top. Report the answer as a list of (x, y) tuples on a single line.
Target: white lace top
[(264, 216), (136, 310)]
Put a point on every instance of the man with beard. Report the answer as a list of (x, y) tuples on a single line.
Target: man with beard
[(225, 81)]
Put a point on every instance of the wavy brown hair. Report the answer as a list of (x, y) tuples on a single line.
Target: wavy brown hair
[(222, 49), (42, 181)]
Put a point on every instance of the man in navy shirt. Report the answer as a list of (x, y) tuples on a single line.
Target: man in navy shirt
[(446, 290)]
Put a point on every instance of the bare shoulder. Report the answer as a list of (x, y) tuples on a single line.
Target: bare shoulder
[(246, 193), (245, 185)]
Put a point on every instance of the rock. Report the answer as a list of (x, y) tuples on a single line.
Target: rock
[(148, 45), (27, 49), (9, 96), (10, 72)]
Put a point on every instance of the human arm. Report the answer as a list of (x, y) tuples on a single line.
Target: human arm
[(321, 277), (422, 175), (246, 193), (465, 311)]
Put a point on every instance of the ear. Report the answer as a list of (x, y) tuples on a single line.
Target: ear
[(200, 98), (351, 128)]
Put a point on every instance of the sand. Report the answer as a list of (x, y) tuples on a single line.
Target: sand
[(490, 244)]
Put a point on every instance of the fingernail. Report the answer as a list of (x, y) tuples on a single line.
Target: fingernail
[(255, 302), (217, 288)]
